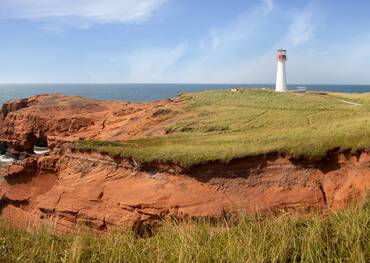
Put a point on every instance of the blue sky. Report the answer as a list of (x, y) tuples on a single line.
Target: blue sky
[(176, 41)]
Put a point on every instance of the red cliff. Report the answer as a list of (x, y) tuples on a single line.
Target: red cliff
[(68, 187)]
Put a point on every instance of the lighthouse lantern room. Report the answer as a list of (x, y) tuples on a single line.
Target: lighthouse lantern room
[(281, 83)]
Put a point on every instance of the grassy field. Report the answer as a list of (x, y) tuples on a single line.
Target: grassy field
[(341, 237), (222, 125)]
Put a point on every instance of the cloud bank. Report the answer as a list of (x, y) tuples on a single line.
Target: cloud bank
[(229, 54), (80, 12), (240, 50), (224, 55)]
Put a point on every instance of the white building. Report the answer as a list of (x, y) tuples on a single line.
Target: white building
[(281, 83)]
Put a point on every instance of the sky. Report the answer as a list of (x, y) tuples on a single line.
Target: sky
[(184, 41)]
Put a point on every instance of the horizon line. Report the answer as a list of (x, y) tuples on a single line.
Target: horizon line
[(173, 83)]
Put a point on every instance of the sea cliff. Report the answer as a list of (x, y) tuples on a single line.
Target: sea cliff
[(120, 164)]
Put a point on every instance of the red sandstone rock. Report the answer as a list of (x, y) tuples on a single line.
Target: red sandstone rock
[(19, 217), (60, 118), (102, 193)]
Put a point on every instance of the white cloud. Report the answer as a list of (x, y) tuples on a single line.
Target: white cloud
[(302, 28), (152, 65), (82, 13), (269, 4), (212, 42), (219, 57), (229, 55), (226, 57), (241, 51)]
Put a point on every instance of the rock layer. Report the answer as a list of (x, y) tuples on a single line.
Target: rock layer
[(70, 188)]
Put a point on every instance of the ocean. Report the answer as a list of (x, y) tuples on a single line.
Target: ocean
[(140, 92)]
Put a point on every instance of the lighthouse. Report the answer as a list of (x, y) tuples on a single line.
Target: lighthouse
[(281, 85)]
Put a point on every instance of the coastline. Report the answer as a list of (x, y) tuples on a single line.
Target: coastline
[(148, 92), (258, 152)]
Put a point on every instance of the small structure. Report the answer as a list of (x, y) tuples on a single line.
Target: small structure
[(234, 89), (281, 83)]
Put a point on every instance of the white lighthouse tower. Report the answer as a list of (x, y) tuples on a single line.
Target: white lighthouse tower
[(281, 84)]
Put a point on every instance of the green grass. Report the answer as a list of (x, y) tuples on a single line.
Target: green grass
[(220, 125), (341, 237)]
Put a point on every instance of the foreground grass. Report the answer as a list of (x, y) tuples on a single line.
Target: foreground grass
[(342, 237), (220, 125)]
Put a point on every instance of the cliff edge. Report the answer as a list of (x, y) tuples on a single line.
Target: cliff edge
[(122, 184)]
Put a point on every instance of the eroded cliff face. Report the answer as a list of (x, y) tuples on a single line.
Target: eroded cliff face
[(51, 119), (71, 187), (68, 187)]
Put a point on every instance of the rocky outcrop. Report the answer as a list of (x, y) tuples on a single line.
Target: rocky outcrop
[(48, 119), (70, 188), (12, 106)]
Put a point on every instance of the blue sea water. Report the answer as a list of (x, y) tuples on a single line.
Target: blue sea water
[(141, 92)]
